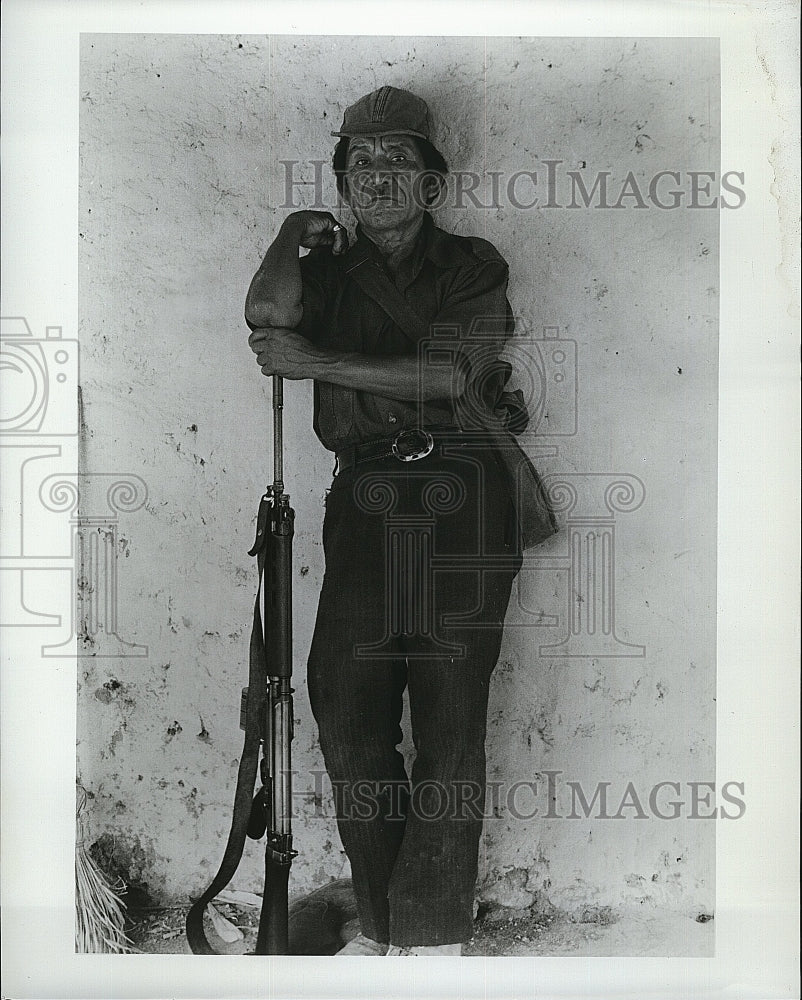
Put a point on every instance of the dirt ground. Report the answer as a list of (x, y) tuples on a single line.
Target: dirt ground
[(657, 933)]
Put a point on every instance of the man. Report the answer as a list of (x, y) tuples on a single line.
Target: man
[(424, 521)]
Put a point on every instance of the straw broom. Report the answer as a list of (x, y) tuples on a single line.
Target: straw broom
[(99, 922)]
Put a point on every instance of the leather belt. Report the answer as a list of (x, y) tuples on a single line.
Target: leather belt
[(409, 445)]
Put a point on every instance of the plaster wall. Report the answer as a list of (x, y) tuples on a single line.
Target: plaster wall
[(181, 192)]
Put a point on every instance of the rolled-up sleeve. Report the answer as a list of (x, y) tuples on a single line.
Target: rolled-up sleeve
[(475, 306), (314, 283), (474, 323)]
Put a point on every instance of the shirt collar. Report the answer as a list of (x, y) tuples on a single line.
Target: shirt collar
[(442, 248)]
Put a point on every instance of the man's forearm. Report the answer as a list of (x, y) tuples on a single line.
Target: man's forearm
[(393, 377), (281, 351), (275, 296)]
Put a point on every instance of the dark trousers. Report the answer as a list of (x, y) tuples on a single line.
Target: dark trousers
[(420, 559)]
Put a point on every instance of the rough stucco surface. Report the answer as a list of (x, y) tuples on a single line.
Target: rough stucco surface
[(181, 138)]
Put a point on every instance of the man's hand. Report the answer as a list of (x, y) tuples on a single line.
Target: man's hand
[(280, 351), (318, 229), (275, 296)]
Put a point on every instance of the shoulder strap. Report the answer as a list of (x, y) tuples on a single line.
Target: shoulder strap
[(375, 283)]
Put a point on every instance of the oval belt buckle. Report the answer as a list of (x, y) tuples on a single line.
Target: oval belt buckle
[(411, 445)]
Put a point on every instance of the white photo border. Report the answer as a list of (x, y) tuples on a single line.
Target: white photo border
[(758, 583)]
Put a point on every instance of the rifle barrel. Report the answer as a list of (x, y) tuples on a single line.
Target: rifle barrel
[(278, 435)]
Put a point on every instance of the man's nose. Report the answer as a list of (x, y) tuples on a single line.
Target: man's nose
[(380, 175)]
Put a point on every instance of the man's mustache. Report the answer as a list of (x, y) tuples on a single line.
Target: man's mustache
[(369, 191)]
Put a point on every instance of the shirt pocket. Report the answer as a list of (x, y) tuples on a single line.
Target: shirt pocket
[(337, 407)]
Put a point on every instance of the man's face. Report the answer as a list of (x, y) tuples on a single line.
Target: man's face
[(385, 180)]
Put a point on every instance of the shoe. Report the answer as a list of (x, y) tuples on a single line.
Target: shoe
[(361, 945), (432, 950)]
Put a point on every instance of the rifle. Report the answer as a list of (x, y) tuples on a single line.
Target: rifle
[(266, 715)]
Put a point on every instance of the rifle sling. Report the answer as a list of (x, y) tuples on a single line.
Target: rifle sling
[(246, 775)]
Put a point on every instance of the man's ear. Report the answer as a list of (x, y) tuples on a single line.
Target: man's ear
[(433, 187)]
